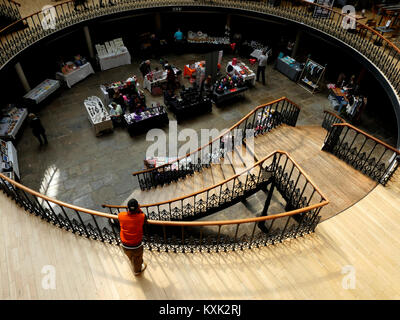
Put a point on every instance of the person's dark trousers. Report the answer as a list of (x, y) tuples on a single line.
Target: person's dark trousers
[(39, 137), (261, 70)]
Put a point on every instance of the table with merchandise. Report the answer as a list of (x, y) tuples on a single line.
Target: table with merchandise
[(240, 69), (11, 121), (43, 90), (114, 59), (153, 117), (155, 79), (75, 75), (98, 115), (9, 159), (289, 67)]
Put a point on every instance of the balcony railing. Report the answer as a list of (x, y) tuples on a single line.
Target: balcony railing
[(208, 236), (330, 119), (364, 152), (259, 121), (379, 50)]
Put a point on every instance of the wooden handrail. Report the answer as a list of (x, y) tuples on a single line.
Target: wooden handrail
[(335, 115), (168, 223), (227, 180), (16, 3), (367, 135), (60, 203), (391, 44), (220, 136)]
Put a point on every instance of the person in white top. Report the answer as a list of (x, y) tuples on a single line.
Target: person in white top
[(262, 64)]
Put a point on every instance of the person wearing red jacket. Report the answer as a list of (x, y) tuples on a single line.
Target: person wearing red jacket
[(131, 223)]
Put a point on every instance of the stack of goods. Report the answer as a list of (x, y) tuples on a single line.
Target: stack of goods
[(11, 121), (6, 164), (96, 110), (155, 110), (200, 37), (229, 83), (190, 103), (113, 47), (71, 66)]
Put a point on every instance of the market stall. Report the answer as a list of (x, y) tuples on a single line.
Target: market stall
[(112, 54), (190, 69), (189, 104), (129, 86), (9, 160), (138, 122), (238, 68), (228, 88), (289, 67), (42, 91), (76, 75), (98, 115), (155, 81), (11, 121)]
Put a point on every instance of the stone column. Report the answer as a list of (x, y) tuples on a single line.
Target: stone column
[(89, 41), (297, 42), (22, 77), (157, 20)]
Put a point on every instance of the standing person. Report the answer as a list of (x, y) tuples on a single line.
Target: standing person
[(262, 64), (37, 128), (171, 79), (145, 67), (178, 36), (131, 223)]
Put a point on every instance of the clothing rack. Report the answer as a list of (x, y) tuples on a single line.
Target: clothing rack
[(311, 76)]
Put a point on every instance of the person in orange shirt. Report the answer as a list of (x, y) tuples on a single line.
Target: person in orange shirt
[(131, 223)]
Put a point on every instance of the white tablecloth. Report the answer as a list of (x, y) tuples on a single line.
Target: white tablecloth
[(246, 77), (43, 90), (75, 76), (113, 61)]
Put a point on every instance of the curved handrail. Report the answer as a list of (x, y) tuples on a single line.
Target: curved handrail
[(367, 135), (218, 137), (226, 181), (224, 3), (335, 115)]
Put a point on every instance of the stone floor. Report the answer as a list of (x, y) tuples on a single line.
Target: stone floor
[(79, 168)]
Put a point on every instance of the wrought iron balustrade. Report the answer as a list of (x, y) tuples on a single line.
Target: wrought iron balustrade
[(383, 53), (189, 236), (330, 119), (364, 152), (259, 121), (9, 12)]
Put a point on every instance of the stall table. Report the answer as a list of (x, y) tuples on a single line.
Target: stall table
[(12, 122), (42, 91), (9, 158), (292, 70), (76, 75), (184, 109), (101, 120), (228, 94), (244, 71), (147, 121), (156, 79), (114, 60)]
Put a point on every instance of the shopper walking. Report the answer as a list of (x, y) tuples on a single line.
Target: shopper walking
[(145, 67), (37, 128), (262, 64), (131, 223)]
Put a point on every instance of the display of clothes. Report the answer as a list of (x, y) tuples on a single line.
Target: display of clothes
[(355, 106), (313, 68)]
